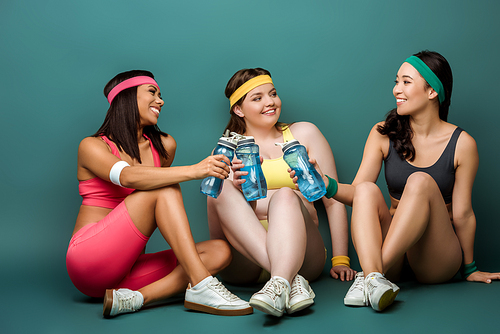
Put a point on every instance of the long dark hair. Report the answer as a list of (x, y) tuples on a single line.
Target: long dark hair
[(122, 119), (236, 123), (398, 127)]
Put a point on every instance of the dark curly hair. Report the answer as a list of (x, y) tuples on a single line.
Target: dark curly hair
[(398, 127)]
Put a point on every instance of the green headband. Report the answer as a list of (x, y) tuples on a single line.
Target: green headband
[(428, 75)]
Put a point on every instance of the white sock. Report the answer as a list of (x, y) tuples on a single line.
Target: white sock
[(140, 297), (375, 273), (286, 281), (202, 284)]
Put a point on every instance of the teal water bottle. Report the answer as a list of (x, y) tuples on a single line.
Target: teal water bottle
[(255, 186), (212, 186), (310, 183)]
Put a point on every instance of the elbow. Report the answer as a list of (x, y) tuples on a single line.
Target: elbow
[(333, 204), (464, 219), (126, 180)]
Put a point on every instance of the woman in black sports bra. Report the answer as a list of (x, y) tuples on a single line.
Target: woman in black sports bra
[(430, 166)]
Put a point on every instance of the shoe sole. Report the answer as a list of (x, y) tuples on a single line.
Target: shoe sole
[(216, 311), (266, 308), (107, 304), (300, 306), (354, 302), (386, 300)]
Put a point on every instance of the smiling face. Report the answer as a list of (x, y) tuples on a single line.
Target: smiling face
[(260, 106), (149, 102), (411, 91)]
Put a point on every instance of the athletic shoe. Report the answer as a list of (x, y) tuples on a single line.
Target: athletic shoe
[(380, 292), (356, 294), (121, 301), (301, 296), (272, 298), (214, 298)]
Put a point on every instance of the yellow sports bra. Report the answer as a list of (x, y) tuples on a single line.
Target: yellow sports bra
[(275, 170)]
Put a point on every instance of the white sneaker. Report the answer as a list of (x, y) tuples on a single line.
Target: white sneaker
[(356, 294), (121, 301), (272, 298), (379, 291), (301, 296), (214, 298)]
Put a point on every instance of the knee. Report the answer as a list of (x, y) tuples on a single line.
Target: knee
[(366, 191), (222, 250), (285, 196), (420, 183), (168, 191), (154, 196)]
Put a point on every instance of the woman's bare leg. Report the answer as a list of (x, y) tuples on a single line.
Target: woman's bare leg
[(231, 217), (215, 255), (421, 227), (293, 240), (369, 215), (164, 208)]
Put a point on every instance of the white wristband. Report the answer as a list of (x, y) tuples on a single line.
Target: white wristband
[(116, 170)]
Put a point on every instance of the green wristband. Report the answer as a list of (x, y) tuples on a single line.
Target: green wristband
[(468, 269), (332, 188)]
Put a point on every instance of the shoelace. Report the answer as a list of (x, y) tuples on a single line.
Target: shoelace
[(359, 284), (296, 287), (224, 292), (274, 288), (126, 302)]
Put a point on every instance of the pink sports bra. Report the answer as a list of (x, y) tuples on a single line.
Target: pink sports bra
[(104, 194)]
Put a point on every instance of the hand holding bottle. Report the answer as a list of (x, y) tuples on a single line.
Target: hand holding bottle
[(255, 186), (212, 185), (309, 181)]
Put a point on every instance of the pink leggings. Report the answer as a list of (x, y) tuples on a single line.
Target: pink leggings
[(107, 255)]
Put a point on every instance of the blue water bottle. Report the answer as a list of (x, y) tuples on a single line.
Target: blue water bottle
[(310, 183), (212, 186), (255, 186)]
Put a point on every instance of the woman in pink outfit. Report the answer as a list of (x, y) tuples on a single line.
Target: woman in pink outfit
[(129, 189)]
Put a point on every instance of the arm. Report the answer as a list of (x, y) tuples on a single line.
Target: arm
[(319, 150), (464, 219), (376, 148), (96, 159)]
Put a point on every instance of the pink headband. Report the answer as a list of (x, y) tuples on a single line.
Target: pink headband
[(132, 82)]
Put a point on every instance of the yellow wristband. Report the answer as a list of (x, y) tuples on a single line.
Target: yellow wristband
[(341, 260)]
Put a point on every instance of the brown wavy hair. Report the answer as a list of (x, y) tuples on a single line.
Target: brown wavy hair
[(236, 123)]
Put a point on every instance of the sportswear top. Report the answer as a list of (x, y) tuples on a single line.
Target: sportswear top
[(275, 170), (442, 171), (102, 193)]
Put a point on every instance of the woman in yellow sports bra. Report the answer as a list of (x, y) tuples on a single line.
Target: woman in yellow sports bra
[(275, 239)]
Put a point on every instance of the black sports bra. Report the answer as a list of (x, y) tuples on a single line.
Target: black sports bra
[(398, 170)]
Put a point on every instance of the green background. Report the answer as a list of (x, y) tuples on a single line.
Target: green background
[(333, 63)]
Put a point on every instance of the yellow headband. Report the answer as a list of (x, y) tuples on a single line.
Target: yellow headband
[(248, 86)]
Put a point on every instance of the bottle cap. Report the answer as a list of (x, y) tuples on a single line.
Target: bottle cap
[(246, 140), (288, 144), (227, 142)]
